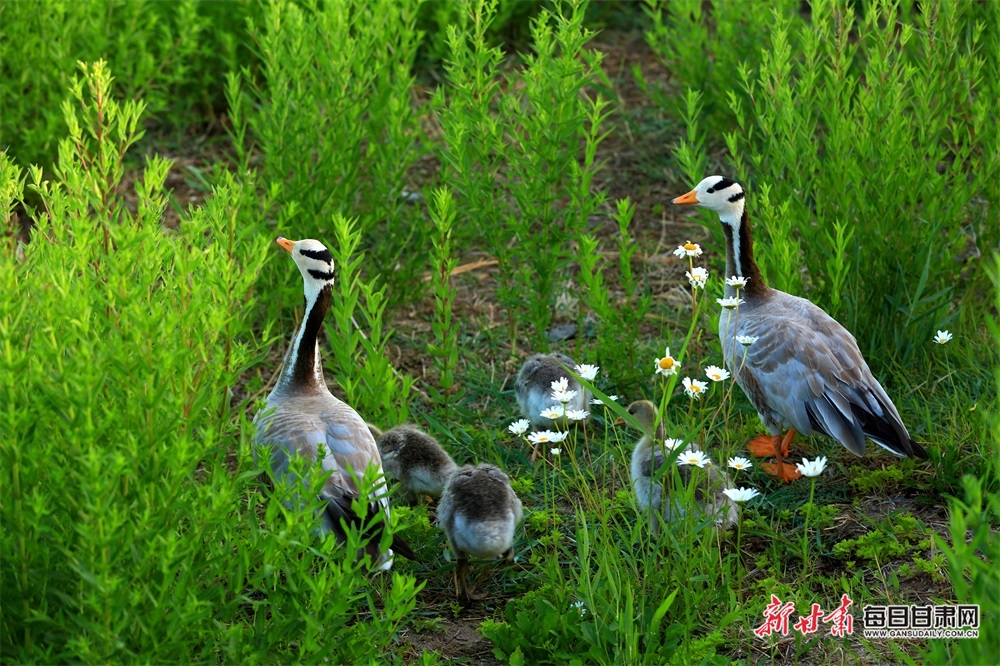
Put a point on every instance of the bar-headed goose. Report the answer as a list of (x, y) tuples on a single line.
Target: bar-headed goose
[(804, 371), (648, 456), (533, 387), (302, 418), (415, 459), (478, 513)]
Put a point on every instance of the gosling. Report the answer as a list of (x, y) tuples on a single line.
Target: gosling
[(415, 459), (478, 513), (533, 387), (648, 457)]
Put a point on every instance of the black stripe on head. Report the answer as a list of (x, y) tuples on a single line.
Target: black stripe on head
[(721, 185), (736, 197), (320, 275), (319, 255)]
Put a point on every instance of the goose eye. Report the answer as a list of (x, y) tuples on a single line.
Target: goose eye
[(711, 190)]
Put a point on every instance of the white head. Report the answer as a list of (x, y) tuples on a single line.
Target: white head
[(314, 261), (718, 193)]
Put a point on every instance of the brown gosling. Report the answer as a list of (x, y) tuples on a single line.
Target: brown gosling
[(648, 456), (415, 459), (478, 513)]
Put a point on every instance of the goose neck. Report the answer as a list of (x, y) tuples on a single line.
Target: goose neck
[(739, 257), (302, 369)]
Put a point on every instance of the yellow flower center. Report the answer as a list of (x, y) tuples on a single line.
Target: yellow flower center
[(690, 247), (666, 363), (695, 388)]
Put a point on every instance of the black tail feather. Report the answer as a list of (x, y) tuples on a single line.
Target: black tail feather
[(339, 509)]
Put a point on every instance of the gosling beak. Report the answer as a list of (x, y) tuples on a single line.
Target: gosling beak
[(619, 421), (285, 243), (689, 198)]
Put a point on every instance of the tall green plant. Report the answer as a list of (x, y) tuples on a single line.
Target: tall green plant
[(334, 122), (874, 136), (445, 345), (133, 511), (365, 372), (618, 320), (704, 48), (516, 157), (172, 54)]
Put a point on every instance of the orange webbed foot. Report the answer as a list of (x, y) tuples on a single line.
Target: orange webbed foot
[(785, 472), (763, 446), (760, 446)]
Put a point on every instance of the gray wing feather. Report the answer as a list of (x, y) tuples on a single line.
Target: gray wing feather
[(807, 372)]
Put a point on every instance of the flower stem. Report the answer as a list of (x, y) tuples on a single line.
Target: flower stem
[(805, 533)]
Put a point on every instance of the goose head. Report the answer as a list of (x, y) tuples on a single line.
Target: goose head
[(720, 194), (314, 261), (644, 412)]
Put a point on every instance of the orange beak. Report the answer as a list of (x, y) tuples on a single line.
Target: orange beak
[(285, 243), (689, 198)]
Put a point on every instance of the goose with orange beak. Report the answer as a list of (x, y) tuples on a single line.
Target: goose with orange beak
[(803, 370)]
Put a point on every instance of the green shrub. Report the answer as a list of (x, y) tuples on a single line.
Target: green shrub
[(172, 54), (334, 121), (134, 529), (519, 153)]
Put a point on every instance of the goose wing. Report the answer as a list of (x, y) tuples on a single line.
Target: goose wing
[(807, 372)]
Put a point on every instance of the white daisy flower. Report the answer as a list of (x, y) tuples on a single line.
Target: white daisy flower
[(697, 458), (555, 452), (671, 444), (812, 467), (554, 412), (577, 414), (737, 281), (598, 401), (697, 276), (587, 371), (543, 437), (943, 337), (746, 340), (558, 436), (560, 384), (729, 303), (580, 608), (741, 495), (694, 388), (689, 249), (667, 365), (740, 463), (519, 427), (564, 396), (716, 374)]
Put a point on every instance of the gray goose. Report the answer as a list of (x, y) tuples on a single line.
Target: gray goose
[(805, 370), (533, 387), (302, 418), (647, 457), (478, 513), (415, 459)]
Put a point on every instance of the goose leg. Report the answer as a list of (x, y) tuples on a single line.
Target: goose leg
[(783, 471), (461, 590), (466, 593), (763, 445)]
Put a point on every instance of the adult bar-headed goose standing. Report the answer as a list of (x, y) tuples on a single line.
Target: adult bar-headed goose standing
[(302, 418), (804, 371)]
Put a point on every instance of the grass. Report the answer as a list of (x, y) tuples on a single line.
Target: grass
[(136, 526)]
